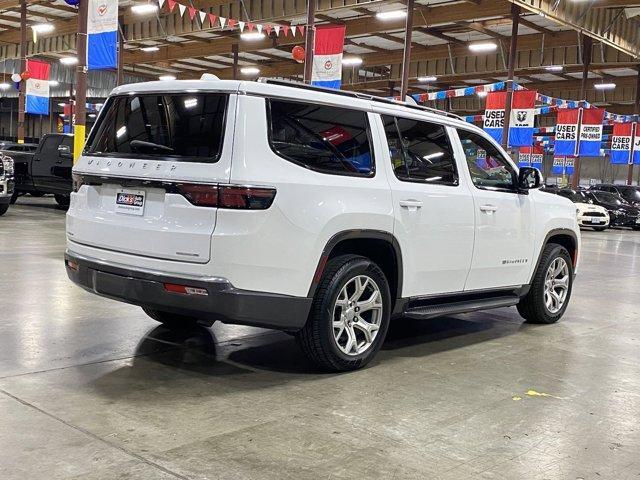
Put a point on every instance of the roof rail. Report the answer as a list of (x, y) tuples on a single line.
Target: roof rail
[(364, 96)]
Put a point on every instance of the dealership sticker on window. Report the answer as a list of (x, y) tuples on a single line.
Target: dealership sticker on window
[(130, 202)]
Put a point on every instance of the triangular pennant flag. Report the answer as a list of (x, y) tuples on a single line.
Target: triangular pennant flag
[(160, 3), (192, 13), (301, 29), (222, 21), (212, 19), (241, 26), (182, 9), (276, 28), (203, 16), (285, 30), (250, 26), (268, 28), (232, 23), (171, 4), (293, 30), (259, 27)]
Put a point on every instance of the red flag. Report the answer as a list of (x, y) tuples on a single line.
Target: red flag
[(192, 13), (250, 26), (232, 23), (212, 19), (268, 28), (301, 29), (171, 4), (285, 30)]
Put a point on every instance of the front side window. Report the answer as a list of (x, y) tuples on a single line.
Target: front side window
[(488, 167), (420, 151), (326, 139), (187, 127)]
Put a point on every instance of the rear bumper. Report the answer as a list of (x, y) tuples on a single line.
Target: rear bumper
[(223, 301)]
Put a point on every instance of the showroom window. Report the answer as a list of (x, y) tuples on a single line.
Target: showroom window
[(420, 151), (326, 139), (179, 127), (488, 167)]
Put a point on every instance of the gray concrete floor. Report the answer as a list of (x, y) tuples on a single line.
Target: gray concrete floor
[(93, 389)]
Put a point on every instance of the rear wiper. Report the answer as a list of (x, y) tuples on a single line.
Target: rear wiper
[(141, 144)]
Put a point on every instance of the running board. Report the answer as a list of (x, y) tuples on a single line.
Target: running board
[(466, 306)]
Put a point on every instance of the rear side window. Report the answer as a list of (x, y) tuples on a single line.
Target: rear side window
[(326, 139), (186, 127), (420, 151)]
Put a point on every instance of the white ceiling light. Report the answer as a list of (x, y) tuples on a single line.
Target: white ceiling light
[(69, 60), (5, 86), (43, 27), (392, 15), (252, 36), (483, 47), (250, 70), (54, 83), (92, 115), (349, 61), (604, 86), (166, 78), (428, 78), (149, 49), (61, 104), (144, 8), (554, 68)]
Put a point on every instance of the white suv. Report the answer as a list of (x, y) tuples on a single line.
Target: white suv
[(320, 213)]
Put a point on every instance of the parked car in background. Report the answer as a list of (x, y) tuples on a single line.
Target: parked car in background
[(6, 182), (589, 214), (317, 212), (45, 169), (621, 213), (629, 193)]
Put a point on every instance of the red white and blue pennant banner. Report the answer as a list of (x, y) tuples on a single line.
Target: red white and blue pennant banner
[(102, 34), (37, 87), (531, 157), (591, 132), (327, 56), (567, 132), (231, 23), (521, 124), (625, 144)]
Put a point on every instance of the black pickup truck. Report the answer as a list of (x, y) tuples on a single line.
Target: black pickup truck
[(45, 169)]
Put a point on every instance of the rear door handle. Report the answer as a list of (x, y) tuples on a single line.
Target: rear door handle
[(411, 204), (488, 208)]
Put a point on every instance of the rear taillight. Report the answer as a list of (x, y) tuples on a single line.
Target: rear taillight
[(185, 289), (78, 181), (228, 196)]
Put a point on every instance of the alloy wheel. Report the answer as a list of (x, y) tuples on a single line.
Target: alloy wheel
[(556, 285)]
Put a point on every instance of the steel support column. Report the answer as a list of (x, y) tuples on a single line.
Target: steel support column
[(515, 22), (120, 70), (80, 107), (234, 51), (310, 40), (406, 58), (587, 44), (636, 110), (22, 95)]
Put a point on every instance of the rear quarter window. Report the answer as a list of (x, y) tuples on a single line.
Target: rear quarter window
[(326, 139), (187, 127)]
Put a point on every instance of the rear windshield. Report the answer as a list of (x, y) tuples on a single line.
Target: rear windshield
[(187, 127)]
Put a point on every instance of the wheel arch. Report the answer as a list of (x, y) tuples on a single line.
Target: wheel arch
[(380, 246), (561, 236)]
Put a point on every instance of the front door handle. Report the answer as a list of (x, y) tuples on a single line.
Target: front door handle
[(488, 208), (411, 204)]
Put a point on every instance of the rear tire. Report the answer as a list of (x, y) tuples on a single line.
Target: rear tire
[(3, 208), (173, 321), (550, 292), (62, 200), (349, 316)]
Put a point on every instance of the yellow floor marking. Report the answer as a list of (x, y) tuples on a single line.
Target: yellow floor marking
[(533, 393)]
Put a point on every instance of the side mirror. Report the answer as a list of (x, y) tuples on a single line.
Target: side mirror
[(529, 178), (64, 151)]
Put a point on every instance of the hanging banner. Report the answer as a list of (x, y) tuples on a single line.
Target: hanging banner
[(37, 87), (567, 132), (102, 34), (558, 166), (494, 114), (524, 157), (327, 56), (522, 118), (537, 156), (568, 166), (591, 132), (621, 143)]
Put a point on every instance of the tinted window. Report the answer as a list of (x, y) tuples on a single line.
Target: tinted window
[(488, 167), (67, 142), (180, 127), (630, 194), (420, 151), (50, 146), (607, 197), (327, 139)]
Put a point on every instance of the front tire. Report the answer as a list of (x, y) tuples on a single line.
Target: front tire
[(3, 208), (173, 321), (550, 290), (350, 315)]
